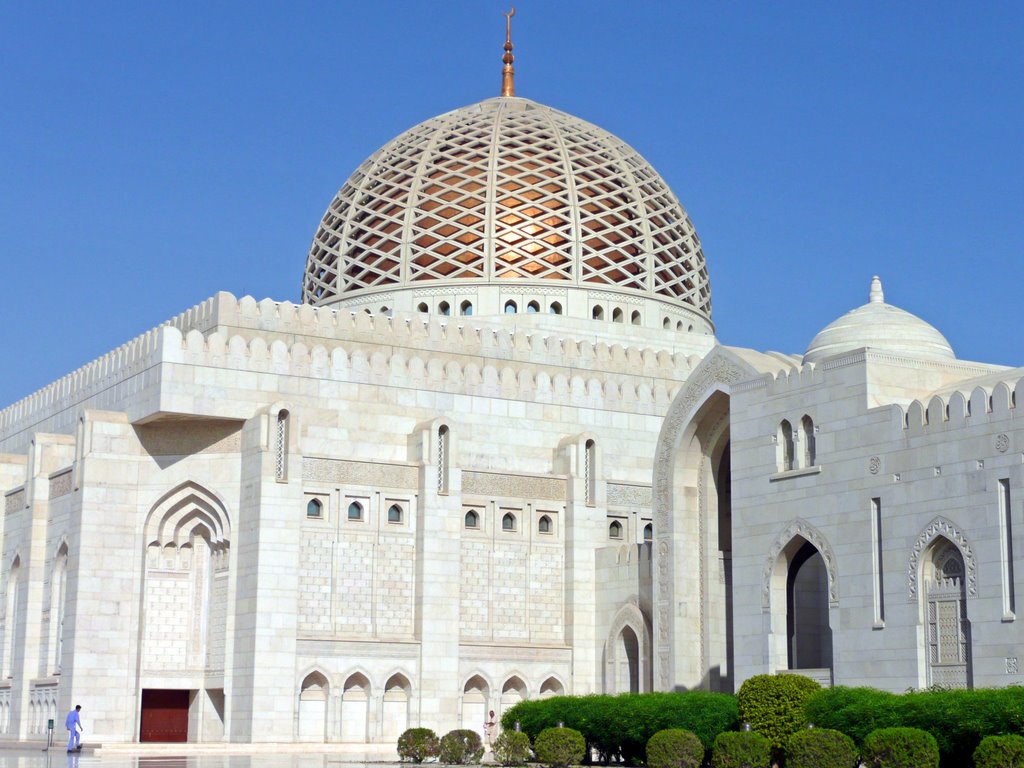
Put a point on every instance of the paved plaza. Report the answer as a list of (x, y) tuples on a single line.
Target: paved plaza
[(58, 758)]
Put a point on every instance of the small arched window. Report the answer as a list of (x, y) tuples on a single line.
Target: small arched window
[(394, 514), (785, 446), (422, 307), (689, 329), (635, 317), (544, 524), (532, 308), (510, 307), (597, 313), (385, 311), (649, 532), (466, 308), (679, 325), (355, 511), (616, 315), (472, 520), (508, 522), (807, 430), (666, 324), (555, 308), (615, 530), (314, 509), (444, 308)]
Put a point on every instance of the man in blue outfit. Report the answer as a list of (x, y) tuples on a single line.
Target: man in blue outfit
[(73, 722)]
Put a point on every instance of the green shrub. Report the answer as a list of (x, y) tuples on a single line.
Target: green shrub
[(1000, 752), (900, 748), (674, 748), (460, 747), (958, 719), (820, 748), (559, 747), (417, 745), (620, 726), (741, 749), (512, 748), (774, 706)]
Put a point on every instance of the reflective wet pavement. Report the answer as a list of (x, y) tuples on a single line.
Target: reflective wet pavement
[(58, 758)]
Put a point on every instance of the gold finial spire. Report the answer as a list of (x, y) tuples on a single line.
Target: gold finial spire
[(508, 87)]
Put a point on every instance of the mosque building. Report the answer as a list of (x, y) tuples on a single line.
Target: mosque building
[(498, 453)]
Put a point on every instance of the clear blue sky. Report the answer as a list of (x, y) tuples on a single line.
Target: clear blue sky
[(152, 154)]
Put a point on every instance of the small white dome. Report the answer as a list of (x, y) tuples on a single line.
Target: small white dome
[(879, 326)]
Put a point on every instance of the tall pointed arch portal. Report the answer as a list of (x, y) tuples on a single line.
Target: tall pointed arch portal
[(693, 530)]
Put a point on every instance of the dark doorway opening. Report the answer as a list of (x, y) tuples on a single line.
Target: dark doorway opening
[(164, 715)]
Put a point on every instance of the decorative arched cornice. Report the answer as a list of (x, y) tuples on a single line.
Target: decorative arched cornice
[(404, 674), (349, 674), (941, 527), (181, 509), (314, 670), (629, 615), (515, 675), (808, 532), (717, 372), (483, 676)]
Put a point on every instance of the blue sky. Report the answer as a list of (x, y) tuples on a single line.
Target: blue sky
[(153, 154)]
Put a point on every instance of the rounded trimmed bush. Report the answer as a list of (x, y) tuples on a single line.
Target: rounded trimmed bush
[(1000, 752), (900, 748), (774, 705), (619, 727), (675, 748), (741, 749), (820, 748), (560, 747), (512, 748), (460, 747), (417, 744)]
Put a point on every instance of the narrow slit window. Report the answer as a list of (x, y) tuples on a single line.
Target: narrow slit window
[(876, 561), (1006, 542)]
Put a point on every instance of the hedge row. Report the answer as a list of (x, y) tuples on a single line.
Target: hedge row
[(621, 726), (958, 720)]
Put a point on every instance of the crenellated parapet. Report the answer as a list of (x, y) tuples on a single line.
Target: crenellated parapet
[(488, 376), (449, 354), (984, 404)]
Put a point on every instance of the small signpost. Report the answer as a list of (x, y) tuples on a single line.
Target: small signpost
[(49, 734)]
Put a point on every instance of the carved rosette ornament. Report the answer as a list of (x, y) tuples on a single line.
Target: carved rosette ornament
[(940, 526), (1002, 443)]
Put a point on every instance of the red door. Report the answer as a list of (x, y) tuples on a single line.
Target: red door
[(164, 715)]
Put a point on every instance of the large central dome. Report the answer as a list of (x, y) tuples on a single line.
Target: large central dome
[(507, 192)]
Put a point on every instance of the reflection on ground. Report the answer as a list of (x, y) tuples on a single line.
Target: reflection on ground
[(58, 758)]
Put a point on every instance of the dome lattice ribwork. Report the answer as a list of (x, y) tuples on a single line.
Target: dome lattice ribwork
[(507, 189)]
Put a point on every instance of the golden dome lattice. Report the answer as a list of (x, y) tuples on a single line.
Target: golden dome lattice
[(507, 189)]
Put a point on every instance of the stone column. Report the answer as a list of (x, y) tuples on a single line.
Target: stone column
[(102, 637), (263, 688), (438, 583)]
